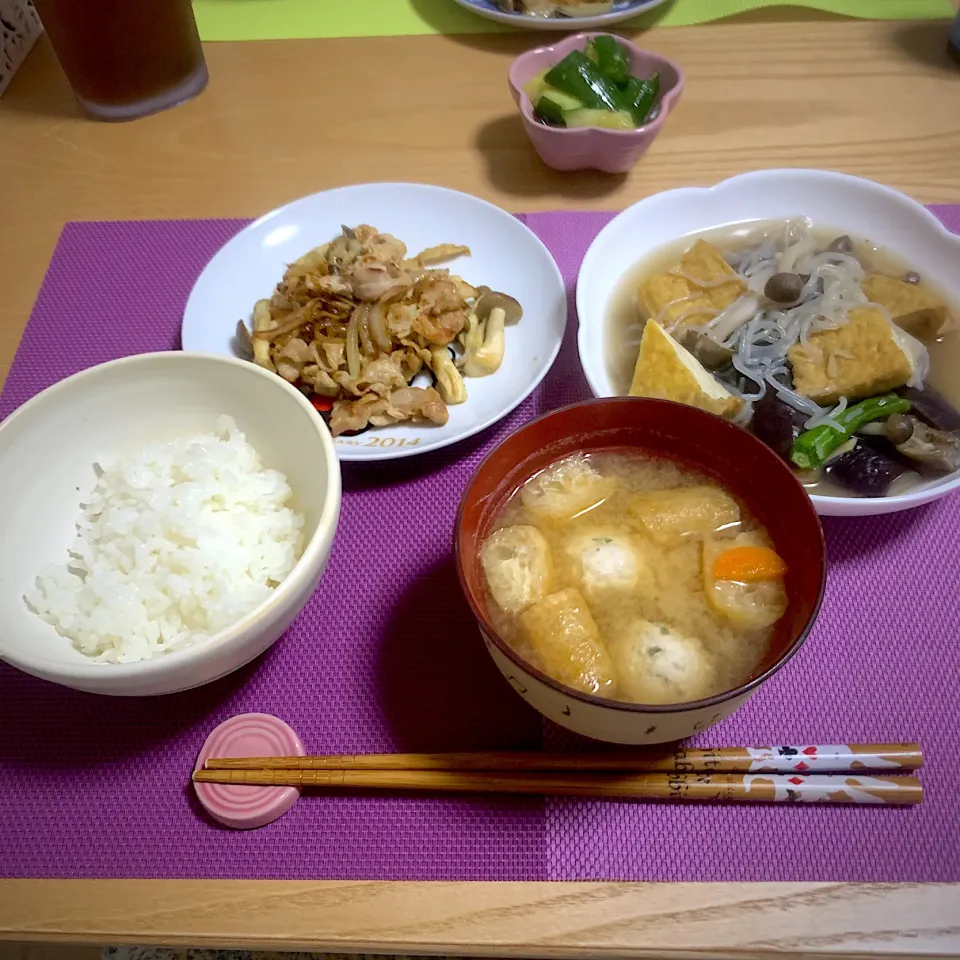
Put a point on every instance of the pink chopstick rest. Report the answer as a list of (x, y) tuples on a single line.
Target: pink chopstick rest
[(248, 735)]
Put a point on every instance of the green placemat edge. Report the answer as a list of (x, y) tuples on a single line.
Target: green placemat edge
[(290, 19)]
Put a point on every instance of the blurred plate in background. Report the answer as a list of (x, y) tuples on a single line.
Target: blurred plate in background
[(622, 10)]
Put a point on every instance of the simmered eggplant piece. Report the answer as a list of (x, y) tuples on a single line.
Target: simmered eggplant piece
[(776, 423), (865, 470)]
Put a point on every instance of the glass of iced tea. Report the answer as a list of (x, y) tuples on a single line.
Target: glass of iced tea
[(126, 58)]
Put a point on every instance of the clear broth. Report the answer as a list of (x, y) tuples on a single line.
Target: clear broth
[(624, 324)]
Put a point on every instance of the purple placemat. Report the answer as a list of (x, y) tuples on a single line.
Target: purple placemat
[(385, 657)]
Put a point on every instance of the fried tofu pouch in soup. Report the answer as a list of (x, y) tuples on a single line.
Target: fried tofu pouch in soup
[(751, 599), (566, 490), (658, 664), (565, 636), (518, 567), (669, 517)]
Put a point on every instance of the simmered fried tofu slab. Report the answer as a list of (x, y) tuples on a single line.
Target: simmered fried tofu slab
[(864, 357), (667, 371), (912, 307), (674, 296)]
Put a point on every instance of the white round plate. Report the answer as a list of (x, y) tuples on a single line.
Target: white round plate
[(852, 205), (505, 255), (622, 10)]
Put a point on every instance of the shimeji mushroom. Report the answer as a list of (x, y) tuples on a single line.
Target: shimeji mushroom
[(711, 354), (491, 312), (471, 338), (450, 384), (937, 450), (262, 323)]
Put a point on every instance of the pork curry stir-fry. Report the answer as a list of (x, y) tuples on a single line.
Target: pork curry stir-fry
[(354, 322)]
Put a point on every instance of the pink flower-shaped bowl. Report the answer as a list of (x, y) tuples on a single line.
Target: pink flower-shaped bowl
[(613, 151)]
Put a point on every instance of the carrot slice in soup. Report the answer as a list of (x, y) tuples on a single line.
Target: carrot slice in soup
[(749, 565)]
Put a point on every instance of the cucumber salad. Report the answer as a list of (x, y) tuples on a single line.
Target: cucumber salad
[(594, 87)]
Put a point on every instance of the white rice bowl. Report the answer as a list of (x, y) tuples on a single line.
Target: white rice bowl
[(48, 451), (176, 542)]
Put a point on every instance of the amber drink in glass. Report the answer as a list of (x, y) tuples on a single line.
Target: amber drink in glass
[(126, 58)]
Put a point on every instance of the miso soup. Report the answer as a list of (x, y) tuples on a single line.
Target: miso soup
[(633, 578)]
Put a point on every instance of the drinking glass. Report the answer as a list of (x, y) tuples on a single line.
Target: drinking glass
[(126, 58)]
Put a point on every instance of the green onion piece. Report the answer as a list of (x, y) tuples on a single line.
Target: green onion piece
[(811, 449), (610, 58), (578, 77)]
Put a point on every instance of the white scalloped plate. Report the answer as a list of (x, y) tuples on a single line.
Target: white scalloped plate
[(856, 206), (505, 255)]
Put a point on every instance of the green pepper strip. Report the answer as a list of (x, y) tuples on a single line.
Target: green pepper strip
[(610, 58), (812, 448), (577, 76)]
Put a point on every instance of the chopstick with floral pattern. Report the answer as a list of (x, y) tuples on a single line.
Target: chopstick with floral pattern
[(847, 788), (803, 759)]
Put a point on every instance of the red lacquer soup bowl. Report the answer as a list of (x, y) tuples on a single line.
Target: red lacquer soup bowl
[(734, 458)]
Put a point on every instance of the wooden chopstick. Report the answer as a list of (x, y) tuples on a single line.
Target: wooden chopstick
[(747, 788), (834, 758)]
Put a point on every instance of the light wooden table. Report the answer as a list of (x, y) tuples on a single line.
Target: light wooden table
[(879, 100)]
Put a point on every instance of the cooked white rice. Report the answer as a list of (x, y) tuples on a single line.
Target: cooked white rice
[(176, 542)]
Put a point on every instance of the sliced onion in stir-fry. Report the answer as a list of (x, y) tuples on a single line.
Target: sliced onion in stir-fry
[(353, 344), (363, 328), (289, 325), (378, 328)]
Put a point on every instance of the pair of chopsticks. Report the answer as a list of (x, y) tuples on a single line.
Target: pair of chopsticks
[(845, 773)]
